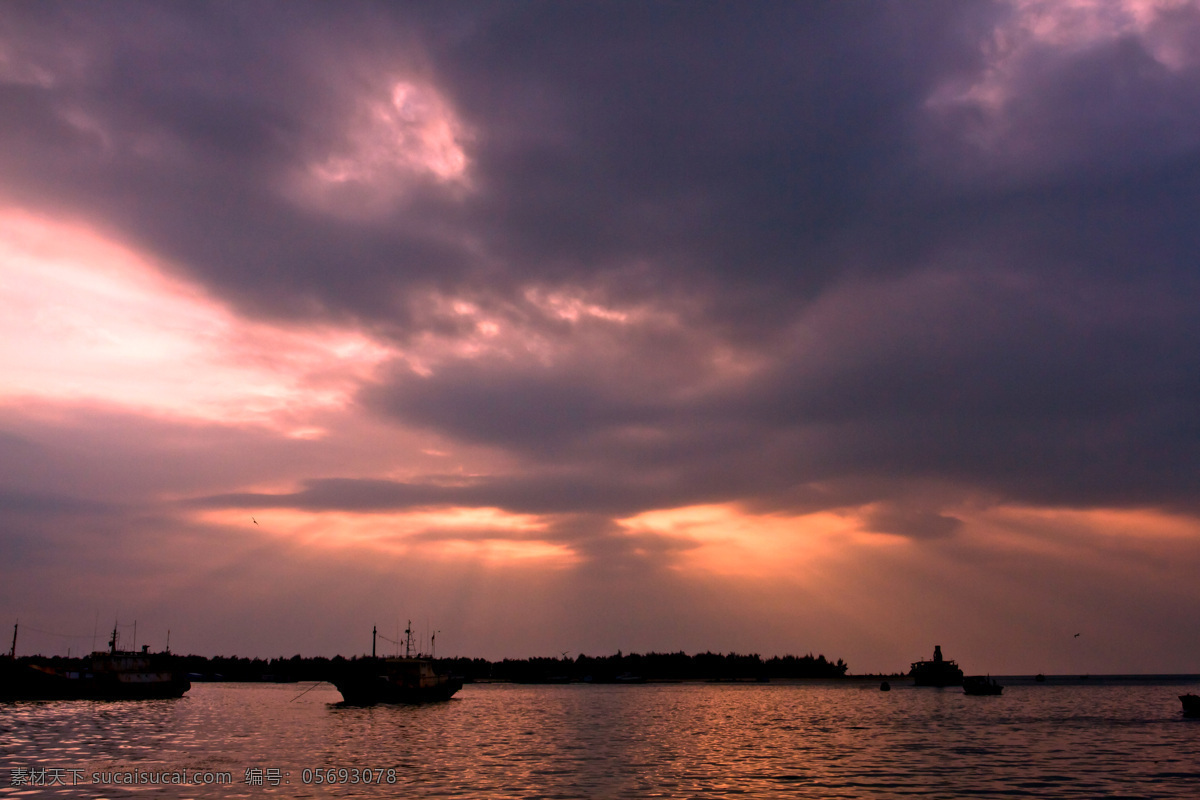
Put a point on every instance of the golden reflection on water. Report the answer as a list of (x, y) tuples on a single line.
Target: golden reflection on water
[(821, 740)]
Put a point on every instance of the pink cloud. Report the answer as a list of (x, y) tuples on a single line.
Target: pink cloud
[(86, 318)]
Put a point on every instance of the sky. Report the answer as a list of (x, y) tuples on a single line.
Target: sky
[(563, 328)]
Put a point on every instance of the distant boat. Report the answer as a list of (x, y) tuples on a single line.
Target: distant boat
[(113, 675), (885, 687), (980, 685), (368, 681), (1191, 704), (937, 672)]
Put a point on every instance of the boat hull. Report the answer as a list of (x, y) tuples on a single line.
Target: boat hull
[(369, 691), (1191, 705), (25, 682), (980, 686), (408, 681), (937, 681), (938, 672), (940, 675)]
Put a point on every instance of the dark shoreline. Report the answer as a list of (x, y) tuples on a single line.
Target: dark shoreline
[(632, 668), (618, 668)]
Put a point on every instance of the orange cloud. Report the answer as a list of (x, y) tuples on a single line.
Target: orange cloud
[(732, 542), (473, 534)]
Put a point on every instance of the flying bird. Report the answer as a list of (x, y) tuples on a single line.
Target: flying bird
[(252, 519), (1077, 636)]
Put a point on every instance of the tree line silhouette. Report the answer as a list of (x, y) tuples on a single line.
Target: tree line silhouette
[(635, 667), (618, 668)]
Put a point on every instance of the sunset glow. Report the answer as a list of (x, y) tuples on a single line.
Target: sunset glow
[(481, 534), (730, 542)]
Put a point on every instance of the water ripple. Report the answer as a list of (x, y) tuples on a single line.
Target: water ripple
[(668, 741)]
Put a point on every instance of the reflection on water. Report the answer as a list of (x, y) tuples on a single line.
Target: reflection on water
[(579, 741)]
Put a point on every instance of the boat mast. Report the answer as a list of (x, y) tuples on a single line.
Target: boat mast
[(374, 630), (13, 653), (408, 640), (112, 643)]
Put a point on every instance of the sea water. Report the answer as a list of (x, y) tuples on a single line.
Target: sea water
[(826, 740)]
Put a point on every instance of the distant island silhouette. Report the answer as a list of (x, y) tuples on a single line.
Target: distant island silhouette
[(618, 668)]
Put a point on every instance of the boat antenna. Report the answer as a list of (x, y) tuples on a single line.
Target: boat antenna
[(433, 645), (168, 640)]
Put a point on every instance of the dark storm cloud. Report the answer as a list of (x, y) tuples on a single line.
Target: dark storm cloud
[(717, 144), (578, 512), (733, 150), (1075, 112), (551, 494), (998, 297), (535, 409), (602, 547), (999, 380), (177, 127), (914, 524)]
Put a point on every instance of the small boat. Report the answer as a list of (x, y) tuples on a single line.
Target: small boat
[(411, 679), (885, 687), (938, 672), (113, 675), (979, 685), (1191, 704)]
